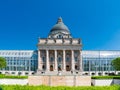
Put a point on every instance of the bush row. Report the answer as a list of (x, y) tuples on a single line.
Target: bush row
[(12, 77), (105, 77), (25, 77)]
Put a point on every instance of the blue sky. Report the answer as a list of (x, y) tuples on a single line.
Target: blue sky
[(96, 22)]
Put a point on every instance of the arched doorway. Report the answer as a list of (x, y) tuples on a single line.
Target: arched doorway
[(51, 67), (43, 67), (76, 67), (67, 68), (59, 68)]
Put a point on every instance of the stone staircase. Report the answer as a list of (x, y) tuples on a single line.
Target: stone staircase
[(58, 73)]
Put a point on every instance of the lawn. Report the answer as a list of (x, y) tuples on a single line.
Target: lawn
[(26, 87)]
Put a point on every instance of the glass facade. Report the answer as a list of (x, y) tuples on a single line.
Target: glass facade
[(20, 60), (27, 60), (99, 60)]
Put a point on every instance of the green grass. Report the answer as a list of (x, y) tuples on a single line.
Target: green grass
[(26, 87), (2, 76), (105, 77)]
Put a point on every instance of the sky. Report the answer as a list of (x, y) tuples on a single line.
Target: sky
[(96, 22)]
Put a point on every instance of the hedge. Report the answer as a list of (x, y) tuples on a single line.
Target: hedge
[(105, 77), (12, 77), (26, 77)]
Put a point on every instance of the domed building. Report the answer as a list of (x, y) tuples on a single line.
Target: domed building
[(59, 30), (59, 51)]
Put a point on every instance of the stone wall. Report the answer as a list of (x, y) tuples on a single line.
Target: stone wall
[(105, 82), (60, 80), (14, 81)]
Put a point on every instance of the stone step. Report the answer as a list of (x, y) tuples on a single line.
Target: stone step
[(57, 73)]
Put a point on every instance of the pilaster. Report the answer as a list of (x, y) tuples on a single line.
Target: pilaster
[(80, 61), (47, 61), (56, 65), (72, 61), (39, 60), (64, 62)]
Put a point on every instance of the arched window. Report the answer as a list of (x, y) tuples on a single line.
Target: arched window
[(76, 59), (43, 58), (67, 59), (59, 36), (51, 59), (59, 59)]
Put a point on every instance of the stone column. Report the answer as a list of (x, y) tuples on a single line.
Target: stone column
[(80, 60), (56, 65), (64, 62), (72, 61), (47, 61), (39, 61)]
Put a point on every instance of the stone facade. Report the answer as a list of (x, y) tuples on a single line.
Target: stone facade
[(60, 80), (13, 81), (59, 52)]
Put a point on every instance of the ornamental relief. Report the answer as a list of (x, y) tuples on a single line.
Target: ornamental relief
[(60, 47)]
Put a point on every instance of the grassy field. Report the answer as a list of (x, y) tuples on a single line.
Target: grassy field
[(26, 87)]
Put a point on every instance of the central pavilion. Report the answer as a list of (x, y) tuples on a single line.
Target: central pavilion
[(59, 52)]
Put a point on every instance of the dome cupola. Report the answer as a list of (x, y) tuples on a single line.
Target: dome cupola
[(59, 30)]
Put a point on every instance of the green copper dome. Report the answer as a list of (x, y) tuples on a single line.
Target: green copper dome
[(59, 30), (59, 27)]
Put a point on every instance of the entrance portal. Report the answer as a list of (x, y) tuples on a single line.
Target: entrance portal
[(51, 67), (59, 68), (43, 67), (67, 68), (76, 67)]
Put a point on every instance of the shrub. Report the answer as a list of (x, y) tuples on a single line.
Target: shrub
[(0, 88), (12, 77), (105, 77)]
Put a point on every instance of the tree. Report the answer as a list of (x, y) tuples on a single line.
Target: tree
[(116, 63), (2, 62)]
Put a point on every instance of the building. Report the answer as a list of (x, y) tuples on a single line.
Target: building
[(59, 53), (19, 62), (99, 62)]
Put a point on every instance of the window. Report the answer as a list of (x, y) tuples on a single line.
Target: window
[(43, 58), (67, 59), (76, 59), (59, 36), (59, 59), (13, 73), (51, 59), (26, 73)]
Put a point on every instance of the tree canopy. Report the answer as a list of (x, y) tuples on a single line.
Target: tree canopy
[(116, 63), (2, 62)]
